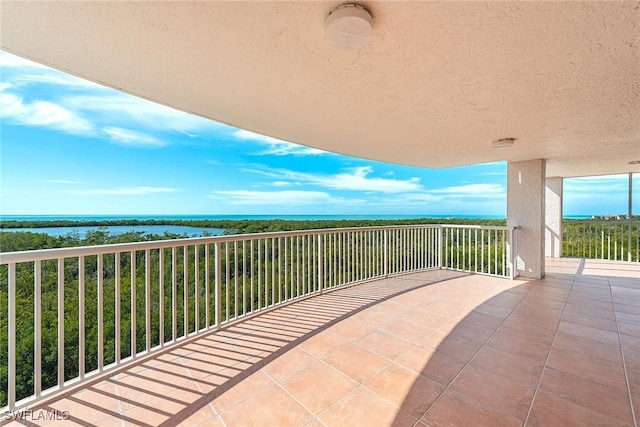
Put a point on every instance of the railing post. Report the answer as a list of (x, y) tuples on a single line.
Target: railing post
[(386, 253), (320, 260)]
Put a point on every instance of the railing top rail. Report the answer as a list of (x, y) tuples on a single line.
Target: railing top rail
[(46, 254), (480, 227)]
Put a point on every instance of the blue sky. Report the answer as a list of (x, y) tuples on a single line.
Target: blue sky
[(72, 147)]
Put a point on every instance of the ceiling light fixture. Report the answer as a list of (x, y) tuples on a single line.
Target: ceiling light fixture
[(348, 26), (503, 143)]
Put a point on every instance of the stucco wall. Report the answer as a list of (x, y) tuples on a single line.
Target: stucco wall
[(553, 217), (525, 209)]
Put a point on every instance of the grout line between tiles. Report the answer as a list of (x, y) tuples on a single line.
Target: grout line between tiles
[(448, 386), (544, 366), (624, 366)]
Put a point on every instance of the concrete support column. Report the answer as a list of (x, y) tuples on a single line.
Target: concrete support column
[(553, 218), (525, 209)]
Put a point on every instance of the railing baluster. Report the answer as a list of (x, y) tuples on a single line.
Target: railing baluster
[(100, 303), (235, 278), (207, 288), (117, 316), (161, 297), (244, 277), (147, 298), (305, 285), (320, 265), (81, 329), (279, 269), (482, 251), (227, 282), (259, 274), (11, 338), (253, 270), (134, 281), (60, 322), (196, 278), (218, 285), (174, 293), (273, 272), (37, 328), (185, 290), (286, 270)]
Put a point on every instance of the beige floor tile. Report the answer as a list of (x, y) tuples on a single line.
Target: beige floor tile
[(319, 386), (412, 392), (293, 361), (509, 398), (550, 410), (271, 407), (356, 362), (345, 374), (241, 391), (365, 408), (455, 409), (384, 344)]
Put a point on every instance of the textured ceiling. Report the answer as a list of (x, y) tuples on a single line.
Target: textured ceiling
[(435, 85)]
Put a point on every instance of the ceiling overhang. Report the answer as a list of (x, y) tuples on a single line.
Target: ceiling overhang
[(434, 86)]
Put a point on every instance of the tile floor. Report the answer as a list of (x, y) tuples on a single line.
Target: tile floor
[(433, 348)]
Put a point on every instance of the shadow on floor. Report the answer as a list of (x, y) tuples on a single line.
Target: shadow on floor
[(561, 351)]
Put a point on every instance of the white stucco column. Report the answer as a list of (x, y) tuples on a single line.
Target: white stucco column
[(553, 218), (525, 209)]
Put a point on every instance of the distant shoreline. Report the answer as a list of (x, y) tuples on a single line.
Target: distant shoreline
[(46, 222), (215, 221)]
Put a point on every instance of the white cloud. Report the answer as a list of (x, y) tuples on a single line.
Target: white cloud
[(275, 146), (42, 113), (281, 183), (472, 190), (355, 179), (86, 107), (139, 113), (132, 138), (412, 199), (282, 198), (64, 181), (597, 184), (131, 191)]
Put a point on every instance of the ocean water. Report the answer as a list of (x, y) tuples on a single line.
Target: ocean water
[(116, 230), (230, 217), (178, 229), (198, 231)]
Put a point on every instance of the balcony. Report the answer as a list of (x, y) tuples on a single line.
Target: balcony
[(386, 326)]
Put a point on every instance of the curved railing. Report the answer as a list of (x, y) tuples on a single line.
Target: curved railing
[(70, 314)]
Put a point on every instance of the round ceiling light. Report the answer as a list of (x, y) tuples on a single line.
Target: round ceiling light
[(348, 26), (503, 143)]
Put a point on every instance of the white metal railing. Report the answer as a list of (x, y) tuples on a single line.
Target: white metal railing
[(610, 240), (69, 314)]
